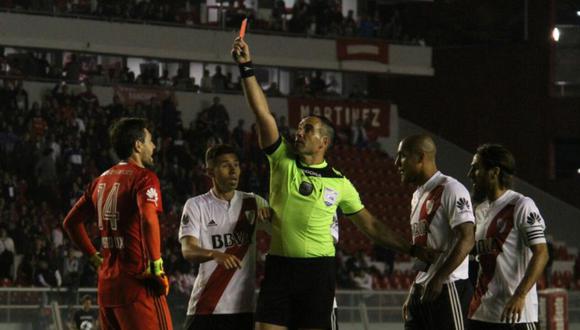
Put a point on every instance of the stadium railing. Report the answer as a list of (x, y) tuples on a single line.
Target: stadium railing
[(35, 306)]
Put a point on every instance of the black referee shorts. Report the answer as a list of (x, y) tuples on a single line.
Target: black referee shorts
[(297, 292), (447, 312)]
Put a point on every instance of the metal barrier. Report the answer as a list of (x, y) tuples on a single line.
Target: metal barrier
[(33, 306)]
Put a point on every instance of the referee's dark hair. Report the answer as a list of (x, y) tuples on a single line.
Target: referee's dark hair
[(328, 128), (496, 155), (125, 132), (214, 152)]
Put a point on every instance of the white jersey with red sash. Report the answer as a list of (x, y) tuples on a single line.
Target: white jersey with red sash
[(227, 227), (438, 206), (505, 230)]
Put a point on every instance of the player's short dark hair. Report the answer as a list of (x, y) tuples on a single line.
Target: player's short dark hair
[(496, 155), (85, 298), (125, 132), (214, 152), (328, 127)]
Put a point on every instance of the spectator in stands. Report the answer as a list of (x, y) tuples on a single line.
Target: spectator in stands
[(284, 128), (358, 134), (299, 21), (239, 136), (350, 25), (218, 80), (361, 279), (317, 84), (164, 80), (7, 252), (86, 318), (47, 275), (219, 120), (278, 16), (206, 82)]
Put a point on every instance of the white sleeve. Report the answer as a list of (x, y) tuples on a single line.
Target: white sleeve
[(530, 223), (334, 229), (190, 220), (456, 202)]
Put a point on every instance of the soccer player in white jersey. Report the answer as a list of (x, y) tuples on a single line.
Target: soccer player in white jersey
[(511, 246), (218, 231), (442, 219)]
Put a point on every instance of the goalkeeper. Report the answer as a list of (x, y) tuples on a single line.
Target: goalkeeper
[(125, 201)]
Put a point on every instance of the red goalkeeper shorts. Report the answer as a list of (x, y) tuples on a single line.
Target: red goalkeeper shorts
[(148, 312)]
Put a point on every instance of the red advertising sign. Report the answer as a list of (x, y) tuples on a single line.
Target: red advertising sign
[(343, 114), (132, 95), (362, 50)]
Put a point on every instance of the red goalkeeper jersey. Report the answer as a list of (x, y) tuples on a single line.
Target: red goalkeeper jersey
[(117, 199)]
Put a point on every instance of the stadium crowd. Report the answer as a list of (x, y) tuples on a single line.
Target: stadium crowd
[(320, 18)]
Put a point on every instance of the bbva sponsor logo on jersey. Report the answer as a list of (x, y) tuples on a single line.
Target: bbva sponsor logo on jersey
[(220, 241), (420, 228)]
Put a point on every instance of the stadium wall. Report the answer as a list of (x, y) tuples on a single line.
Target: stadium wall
[(179, 43)]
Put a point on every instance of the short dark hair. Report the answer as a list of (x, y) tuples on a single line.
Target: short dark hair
[(125, 132), (496, 155), (86, 297), (214, 152), (328, 128)]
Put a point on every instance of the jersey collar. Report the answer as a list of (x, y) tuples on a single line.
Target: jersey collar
[(431, 183), (222, 201)]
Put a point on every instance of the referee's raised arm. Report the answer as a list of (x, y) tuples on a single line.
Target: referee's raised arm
[(267, 130)]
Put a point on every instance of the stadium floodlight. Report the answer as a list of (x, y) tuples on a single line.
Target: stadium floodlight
[(556, 34)]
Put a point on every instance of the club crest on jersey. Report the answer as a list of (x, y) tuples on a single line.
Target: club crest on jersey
[(251, 216), (429, 206), (152, 195), (330, 196), (501, 225), (463, 204), (533, 218)]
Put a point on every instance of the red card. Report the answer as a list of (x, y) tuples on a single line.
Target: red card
[(243, 28)]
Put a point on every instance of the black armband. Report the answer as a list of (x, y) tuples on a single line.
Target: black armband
[(246, 69)]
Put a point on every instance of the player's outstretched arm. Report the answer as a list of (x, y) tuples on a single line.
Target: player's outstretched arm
[(74, 226), (512, 312), (384, 236), (192, 252), (267, 128)]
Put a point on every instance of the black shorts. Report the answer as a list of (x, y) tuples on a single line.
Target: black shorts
[(333, 321), (479, 325), (241, 321), (447, 312), (297, 292)]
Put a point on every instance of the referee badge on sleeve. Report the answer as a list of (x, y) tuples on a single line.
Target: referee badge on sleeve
[(330, 196)]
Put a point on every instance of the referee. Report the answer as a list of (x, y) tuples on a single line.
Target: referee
[(305, 192)]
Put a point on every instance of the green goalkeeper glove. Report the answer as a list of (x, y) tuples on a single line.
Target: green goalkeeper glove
[(96, 260), (155, 272)]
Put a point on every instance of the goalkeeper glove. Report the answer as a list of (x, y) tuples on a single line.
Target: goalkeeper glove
[(96, 260), (155, 272)]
